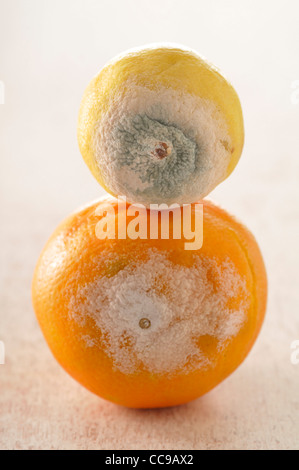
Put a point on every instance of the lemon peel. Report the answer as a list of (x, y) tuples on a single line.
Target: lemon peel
[(160, 125)]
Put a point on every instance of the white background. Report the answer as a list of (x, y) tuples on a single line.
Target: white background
[(49, 50)]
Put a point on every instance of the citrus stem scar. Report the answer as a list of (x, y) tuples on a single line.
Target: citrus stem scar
[(144, 323), (161, 151)]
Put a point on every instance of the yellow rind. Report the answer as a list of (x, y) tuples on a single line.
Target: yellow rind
[(174, 68)]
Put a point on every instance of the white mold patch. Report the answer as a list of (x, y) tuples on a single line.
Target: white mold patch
[(152, 314), (164, 145)]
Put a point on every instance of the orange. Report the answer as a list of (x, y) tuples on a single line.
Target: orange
[(146, 323)]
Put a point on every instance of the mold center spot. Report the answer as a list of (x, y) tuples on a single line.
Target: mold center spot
[(144, 323), (161, 150)]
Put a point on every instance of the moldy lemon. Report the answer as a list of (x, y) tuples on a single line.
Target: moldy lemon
[(160, 125)]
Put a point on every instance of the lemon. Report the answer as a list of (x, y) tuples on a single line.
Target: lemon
[(159, 124)]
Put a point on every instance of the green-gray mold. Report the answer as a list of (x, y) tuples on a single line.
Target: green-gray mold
[(163, 157)]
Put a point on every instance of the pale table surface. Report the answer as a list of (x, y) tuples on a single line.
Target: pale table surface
[(43, 179)]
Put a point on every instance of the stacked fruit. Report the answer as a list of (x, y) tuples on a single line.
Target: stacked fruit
[(128, 305)]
